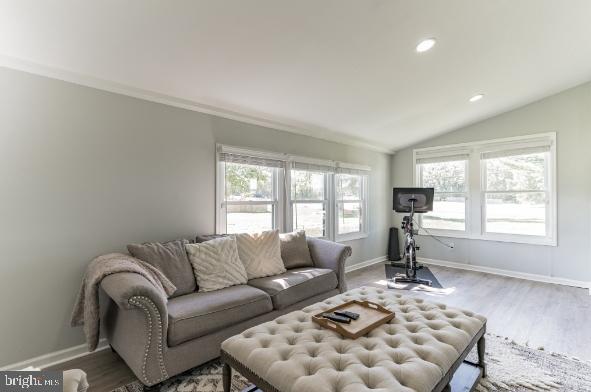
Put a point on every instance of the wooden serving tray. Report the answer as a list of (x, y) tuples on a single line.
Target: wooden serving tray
[(371, 316)]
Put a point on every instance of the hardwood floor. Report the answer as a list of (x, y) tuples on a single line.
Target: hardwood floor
[(538, 314), (105, 370)]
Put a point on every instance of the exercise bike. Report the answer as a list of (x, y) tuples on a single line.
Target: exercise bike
[(411, 200)]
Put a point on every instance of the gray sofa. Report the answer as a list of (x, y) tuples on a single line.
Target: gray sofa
[(160, 338)]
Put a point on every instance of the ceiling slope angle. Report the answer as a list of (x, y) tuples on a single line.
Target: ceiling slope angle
[(346, 71)]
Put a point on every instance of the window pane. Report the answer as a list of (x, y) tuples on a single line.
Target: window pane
[(516, 213), (349, 187), (444, 176), (309, 217), (349, 218), (449, 213), (247, 182), (307, 185), (249, 218), (516, 173)]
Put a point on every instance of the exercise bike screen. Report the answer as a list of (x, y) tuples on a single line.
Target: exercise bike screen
[(423, 199)]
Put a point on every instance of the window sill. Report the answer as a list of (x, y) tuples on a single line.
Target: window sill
[(351, 237), (517, 239)]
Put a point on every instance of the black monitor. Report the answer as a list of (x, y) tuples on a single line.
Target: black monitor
[(422, 197)]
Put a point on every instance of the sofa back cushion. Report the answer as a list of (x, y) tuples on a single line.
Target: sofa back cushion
[(294, 250), (216, 264), (260, 253), (171, 259)]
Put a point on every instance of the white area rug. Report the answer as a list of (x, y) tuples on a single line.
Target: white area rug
[(511, 367)]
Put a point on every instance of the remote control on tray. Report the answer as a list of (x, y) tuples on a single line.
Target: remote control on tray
[(345, 313), (338, 319)]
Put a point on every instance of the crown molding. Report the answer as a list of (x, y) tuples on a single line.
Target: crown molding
[(153, 96)]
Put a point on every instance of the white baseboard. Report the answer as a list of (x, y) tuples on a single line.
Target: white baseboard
[(56, 357), (511, 274), (365, 263)]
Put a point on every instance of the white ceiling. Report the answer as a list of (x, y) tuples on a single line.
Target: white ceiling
[(338, 69)]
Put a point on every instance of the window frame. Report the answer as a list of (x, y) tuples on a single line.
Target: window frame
[(364, 232), (222, 203), (290, 224), (466, 192), (475, 202), (283, 205), (549, 200)]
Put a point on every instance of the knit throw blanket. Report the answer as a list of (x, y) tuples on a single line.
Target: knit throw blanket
[(86, 308)]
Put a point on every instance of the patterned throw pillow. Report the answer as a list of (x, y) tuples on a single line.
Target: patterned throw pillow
[(260, 253), (216, 264)]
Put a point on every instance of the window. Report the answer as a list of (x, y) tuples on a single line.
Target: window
[(516, 192), (500, 190), (251, 202), (448, 177), (250, 190), (350, 205), (259, 191), (309, 202)]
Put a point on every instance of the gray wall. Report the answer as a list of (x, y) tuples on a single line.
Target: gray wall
[(85, 172), (569, 115)]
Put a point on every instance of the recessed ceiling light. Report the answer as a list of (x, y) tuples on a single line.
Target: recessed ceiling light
[(476, 97), (425, 45)]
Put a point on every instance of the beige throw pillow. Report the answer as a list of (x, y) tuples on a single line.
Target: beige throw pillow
[(260, 253), (216, 264)]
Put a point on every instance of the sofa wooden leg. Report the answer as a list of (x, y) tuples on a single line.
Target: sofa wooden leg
[(227, 377), (481, 348)]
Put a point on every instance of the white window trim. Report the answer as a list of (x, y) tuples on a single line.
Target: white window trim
[(364, 232), (283, 218), (475, 204), (466, 192), (221, 203), (327, 204)]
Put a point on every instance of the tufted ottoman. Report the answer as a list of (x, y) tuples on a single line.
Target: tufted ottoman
[(419, 350)]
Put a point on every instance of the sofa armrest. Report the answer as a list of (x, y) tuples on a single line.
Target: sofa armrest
[(330, 255), (143, 350), (124, 286)]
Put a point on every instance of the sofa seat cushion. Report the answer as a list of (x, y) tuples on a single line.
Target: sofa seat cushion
[(198, 314), (296, 285)]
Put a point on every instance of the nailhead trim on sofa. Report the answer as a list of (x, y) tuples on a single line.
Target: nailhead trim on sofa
[(146, 305)]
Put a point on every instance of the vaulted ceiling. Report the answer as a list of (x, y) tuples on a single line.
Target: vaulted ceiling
[(341, 70)]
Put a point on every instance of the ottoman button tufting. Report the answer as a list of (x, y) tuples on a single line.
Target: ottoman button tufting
[(390, 357)]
